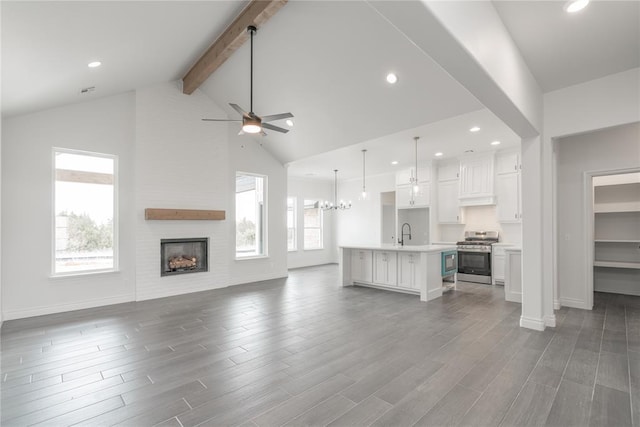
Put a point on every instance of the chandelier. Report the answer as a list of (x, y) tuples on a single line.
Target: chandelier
[(327, 206)]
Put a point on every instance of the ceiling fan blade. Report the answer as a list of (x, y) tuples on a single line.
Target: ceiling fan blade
[(276, 128), (221, 120), (238, 109), (274, 117)]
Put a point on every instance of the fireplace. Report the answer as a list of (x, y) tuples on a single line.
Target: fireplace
[(182, 256)]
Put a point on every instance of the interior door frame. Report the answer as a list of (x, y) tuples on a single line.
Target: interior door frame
[(589, 225)]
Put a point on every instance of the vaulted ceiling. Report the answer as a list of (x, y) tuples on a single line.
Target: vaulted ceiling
[(325, 61)]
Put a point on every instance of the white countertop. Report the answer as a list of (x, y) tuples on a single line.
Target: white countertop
[(408, 248)]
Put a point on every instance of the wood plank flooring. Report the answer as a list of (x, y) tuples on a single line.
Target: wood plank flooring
[(307, 352)]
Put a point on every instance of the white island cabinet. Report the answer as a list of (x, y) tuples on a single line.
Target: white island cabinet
[(410, 269)]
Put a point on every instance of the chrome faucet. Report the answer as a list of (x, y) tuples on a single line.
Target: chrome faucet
[(401, 241)]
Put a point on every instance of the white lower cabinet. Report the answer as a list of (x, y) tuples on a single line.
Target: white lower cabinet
[(498, 260), (385, 268), (361, 266), (513, 275), (409, 270)]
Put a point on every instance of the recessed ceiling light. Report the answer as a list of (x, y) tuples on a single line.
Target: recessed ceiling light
[(438, 154), (289, 123), (575, 5), (495, 143), (94, 64), (392, 78), (395, 162), (474, 129)]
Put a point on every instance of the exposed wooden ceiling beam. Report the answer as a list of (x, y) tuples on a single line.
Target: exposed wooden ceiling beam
[(256, 13)]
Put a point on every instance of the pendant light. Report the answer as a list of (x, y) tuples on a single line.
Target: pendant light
[(327, 206), (414, 179), (364, 187)]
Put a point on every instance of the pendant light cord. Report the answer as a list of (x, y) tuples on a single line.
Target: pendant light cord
[(416, 139), (335, 188), (252, 30), (364, 152)]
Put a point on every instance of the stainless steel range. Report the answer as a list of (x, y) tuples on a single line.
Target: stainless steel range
[(474, 256)]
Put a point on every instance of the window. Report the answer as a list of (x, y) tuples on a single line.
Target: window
[(250, 215), (84, 208), (292, 243), (312, 225)]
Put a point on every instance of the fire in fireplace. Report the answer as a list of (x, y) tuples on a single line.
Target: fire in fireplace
[(179, 256)]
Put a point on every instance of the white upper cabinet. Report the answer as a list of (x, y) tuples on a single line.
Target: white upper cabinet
[(508, 197), (448, 204), (509, 200), (449, 171), (448, 191), (508, 162), (407, 197), (476, 180), (406, 176)]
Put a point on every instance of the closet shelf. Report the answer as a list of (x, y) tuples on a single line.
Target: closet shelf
[(617, 264), (617, 240)]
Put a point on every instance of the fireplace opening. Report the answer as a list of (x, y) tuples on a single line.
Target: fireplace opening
[(181, 256)]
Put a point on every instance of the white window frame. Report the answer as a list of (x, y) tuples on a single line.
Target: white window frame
[(321, 227), (295, 224), (116, 222), (265, 219)]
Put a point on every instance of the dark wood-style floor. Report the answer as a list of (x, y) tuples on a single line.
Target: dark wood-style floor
[(306, 351)]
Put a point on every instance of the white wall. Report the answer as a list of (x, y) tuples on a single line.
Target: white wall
[(608, 149), (313, 189), (362, 224), (167, 158), (105, 126), (247, 155), (180, 162), (598, 104)]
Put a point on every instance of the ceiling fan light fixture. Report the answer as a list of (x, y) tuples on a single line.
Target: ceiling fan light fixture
[(251, 125), (574, 6), (289, 123)]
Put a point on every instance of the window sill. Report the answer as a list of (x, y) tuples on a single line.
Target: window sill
[(83, 273), (249, 258), (311, 250)]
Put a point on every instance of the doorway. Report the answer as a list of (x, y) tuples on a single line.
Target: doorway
[(615, 232)]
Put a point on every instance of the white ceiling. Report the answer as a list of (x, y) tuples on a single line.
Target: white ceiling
[(324, 61), (563, 49), (451, 137), (47, 45)]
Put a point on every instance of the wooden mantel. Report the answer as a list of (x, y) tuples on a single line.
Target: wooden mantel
[(183, 214)]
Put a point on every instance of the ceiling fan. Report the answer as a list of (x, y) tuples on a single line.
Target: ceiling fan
[(251, 122)]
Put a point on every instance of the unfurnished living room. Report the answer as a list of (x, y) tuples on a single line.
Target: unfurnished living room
[(304, 212)]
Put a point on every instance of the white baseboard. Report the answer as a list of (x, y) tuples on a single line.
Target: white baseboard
[(61, 308), (550, 320), (257, 278), (155, 293), (574, 303), (531, 323), (434, 293)]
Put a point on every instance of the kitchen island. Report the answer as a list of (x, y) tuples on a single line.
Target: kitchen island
[(409, 269)]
